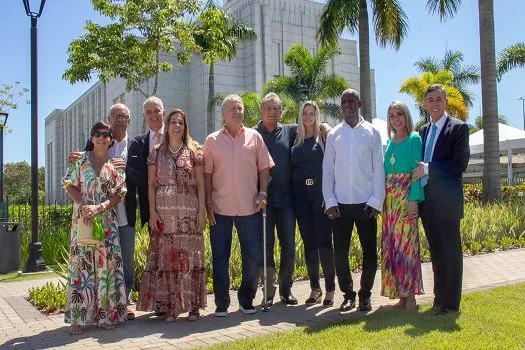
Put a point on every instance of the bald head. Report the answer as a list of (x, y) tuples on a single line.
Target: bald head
[(119, 118)]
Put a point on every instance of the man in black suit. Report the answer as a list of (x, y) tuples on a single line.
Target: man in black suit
[(445, 157)]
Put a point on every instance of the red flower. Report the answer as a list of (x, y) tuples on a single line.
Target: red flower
[(106, 233), (77, 281)]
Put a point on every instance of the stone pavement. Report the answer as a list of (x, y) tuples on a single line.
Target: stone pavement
[(21, 326)]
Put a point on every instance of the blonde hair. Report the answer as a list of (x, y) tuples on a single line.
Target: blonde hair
[(402, 106), (301, 131), (186, 138)]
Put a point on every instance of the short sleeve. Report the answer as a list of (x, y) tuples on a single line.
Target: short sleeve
[(118, 182), (208, 155), (264, 159), (72, 177), (198, 158), (152, 158)]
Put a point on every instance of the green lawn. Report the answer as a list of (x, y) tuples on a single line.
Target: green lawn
[(488, 320), (16, 277)]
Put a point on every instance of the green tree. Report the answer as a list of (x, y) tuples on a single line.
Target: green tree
[(510, 58), (390, 26), (10, 94), (309, 79), (417, 86), (218, 33), (452, 61), (131, 46), (17, 182)]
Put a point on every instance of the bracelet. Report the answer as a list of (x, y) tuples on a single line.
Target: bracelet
[(262, 193), (102, 207)]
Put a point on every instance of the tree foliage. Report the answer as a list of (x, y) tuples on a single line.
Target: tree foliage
[(309, 79), (463, 75), (10, 95), (131, 46), (17, 182), (510, 58), (417, 86)]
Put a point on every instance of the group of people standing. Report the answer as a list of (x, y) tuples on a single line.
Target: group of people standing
[(324, 179)]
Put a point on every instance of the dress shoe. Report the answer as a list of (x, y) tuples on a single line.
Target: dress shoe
[(365, 304), (315, 298), (348, 304), (269, 302), (289, 299)]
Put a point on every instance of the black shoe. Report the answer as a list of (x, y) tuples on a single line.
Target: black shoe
[(160, 314), (289, 299), (365, 304), (247, 309), (314, 300), (221, 311), (348, 304), (269, 302)]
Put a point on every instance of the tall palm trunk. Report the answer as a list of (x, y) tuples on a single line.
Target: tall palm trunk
[(364, 62), (210, 118), (489, 96)]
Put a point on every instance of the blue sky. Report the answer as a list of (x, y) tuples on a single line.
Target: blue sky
[(63, 21)]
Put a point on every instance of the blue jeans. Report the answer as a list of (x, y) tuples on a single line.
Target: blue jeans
[(249, 229), (280, 215), (127, 245)]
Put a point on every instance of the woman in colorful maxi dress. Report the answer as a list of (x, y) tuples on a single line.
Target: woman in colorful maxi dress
[(95, 285), (401, 264), (174, 281)]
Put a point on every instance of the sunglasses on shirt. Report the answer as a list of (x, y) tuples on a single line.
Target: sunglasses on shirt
[(103, 133)]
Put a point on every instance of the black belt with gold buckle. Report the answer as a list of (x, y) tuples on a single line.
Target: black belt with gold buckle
[(309, 182)]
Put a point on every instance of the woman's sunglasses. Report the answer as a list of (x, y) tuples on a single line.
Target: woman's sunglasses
[(99, 133)]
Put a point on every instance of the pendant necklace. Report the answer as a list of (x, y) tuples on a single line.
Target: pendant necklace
[(392, 160)]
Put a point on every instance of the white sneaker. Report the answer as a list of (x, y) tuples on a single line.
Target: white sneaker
[(248, 310), (219, 312)]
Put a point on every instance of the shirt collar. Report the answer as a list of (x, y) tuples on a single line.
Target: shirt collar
[(361, 120), (441, 121), (225, 131), (161, 130), (262, 129)]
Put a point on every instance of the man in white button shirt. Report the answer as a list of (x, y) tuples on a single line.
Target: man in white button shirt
[(354, 191)]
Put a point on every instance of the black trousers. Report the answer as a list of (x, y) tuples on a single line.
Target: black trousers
[(444, 241), (367, 232), (316, 233)]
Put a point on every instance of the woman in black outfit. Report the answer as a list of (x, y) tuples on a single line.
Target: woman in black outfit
[(314, 225)]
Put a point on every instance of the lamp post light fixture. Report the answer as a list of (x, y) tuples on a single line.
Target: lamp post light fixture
[(35, 262), (523, 107), (3, 122)]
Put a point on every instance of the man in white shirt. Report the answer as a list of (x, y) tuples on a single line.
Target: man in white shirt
[(354, 191)]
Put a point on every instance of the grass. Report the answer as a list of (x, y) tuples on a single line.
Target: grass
[(17, 277), (488, 320)]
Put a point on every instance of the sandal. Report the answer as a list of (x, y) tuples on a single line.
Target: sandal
[(75, 330), (193, 315), (170, 318), (315, 297)]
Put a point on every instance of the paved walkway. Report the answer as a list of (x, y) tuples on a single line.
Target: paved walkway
[(21, 326)]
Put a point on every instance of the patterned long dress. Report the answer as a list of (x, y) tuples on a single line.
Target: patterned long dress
[(174, 281), (95, 285), (401, 262)]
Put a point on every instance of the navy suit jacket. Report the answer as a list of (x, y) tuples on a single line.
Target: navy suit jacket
[(444, 190), (137, 179)]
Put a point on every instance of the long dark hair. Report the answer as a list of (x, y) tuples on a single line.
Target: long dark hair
[(100, 125)]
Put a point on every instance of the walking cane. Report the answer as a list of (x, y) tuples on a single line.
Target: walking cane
[(265, 289)]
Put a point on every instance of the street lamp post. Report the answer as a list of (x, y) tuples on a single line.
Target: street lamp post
[(35, 261), (523, 107), (3, 122)]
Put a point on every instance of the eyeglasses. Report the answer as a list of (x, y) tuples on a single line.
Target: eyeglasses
[(103, 133), (120, 116)]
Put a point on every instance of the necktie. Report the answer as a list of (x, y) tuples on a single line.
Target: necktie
[(157, 138), (428, 151)]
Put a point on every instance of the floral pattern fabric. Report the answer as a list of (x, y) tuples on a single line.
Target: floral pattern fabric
[(95, 284), (174, 280), (401, 262)]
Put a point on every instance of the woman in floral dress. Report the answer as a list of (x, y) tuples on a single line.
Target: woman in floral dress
[(401, 263), (95, 286), (174, 281)]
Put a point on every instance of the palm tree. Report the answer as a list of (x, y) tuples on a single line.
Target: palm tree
[(510, 58), (452, 61), (309, 79), (390, 25), (489, 97), (218, 34), (417, 86)]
